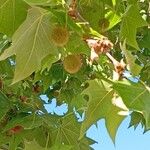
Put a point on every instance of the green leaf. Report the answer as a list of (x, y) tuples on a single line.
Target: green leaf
[(136, 96), (145, 74), (27, 122), (136, 119), (130, 59), (48, 61), (144, 42), (14, 142), (70, 90), (39, 134), (113, 19), (67, 132), (100, 106), (62, 18), (34, 145), (4, 105), (61, 147), (42, 136), (12, 14), (95, 8), (78, 102), (131, 20), (80, 48), (43, 2), (6, 69), (4, 139), (31, 43), (56, 72), (4, 42)]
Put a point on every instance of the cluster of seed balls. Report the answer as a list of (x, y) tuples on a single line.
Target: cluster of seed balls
[(72, 63), (60, 36)]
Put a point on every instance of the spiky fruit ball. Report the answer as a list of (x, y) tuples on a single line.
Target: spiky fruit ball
[(72, 63), (60, 35)]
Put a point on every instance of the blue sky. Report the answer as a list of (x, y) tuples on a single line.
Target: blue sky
[(126, 138)]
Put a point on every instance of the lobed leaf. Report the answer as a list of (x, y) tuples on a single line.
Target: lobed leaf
[(131, 20), (31, 43), (100, 106), (136, 96), (67, 132), (12, 14)]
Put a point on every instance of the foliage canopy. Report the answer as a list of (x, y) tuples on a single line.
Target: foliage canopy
[(90, 55)]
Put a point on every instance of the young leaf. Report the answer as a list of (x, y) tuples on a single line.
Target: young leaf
[(31, 43), (100, 106), (12, 14)]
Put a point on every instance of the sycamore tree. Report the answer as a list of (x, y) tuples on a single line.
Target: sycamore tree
[(92, 55)]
